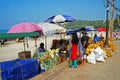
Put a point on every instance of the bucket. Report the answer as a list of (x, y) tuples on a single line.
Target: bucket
[(24, 55)]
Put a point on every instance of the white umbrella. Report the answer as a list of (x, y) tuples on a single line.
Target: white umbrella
[(49, 28)]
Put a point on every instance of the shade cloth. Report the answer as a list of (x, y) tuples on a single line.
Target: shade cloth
[(18, 35)]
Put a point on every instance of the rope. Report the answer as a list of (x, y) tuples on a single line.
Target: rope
[(21, 70)]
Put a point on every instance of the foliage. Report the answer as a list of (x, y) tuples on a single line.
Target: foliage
[(84, 23), (95, 23), (117, 23)]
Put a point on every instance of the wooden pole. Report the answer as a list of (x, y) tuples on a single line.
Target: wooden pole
[(107, 26), (111, 21)]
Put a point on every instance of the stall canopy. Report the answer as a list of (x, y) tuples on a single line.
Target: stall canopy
[(50, 28), (18, 35), (101, 29)]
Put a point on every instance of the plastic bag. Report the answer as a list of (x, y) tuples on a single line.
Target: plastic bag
[(100, 54), (91, 58)]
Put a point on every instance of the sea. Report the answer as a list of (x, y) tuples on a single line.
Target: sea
[(4, 31)]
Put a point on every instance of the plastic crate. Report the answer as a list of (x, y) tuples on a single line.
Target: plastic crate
[(19, 69)]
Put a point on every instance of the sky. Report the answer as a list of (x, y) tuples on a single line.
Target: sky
[(17, 11)]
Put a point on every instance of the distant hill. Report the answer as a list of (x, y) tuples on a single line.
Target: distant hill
[(84, 23), (95, 23)]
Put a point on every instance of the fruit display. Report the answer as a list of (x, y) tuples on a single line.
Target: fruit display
[(109, 51), (49, 59)]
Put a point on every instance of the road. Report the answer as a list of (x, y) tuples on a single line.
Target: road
[(110, 70)]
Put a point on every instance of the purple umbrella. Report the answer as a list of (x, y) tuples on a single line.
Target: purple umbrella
[(25, 27)]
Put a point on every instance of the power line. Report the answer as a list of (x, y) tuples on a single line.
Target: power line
[(104, 3), (113, 6)]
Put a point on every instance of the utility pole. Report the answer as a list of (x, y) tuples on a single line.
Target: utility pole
[(107, 26), (118, 21), (111, 21)]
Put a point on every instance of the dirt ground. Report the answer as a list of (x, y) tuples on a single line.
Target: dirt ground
[(110, 70)]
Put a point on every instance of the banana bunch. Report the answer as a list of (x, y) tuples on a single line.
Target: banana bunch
[(91, 47), (107, 51), (52, 51), (112, 46), (41, 59), (101, 45), (47, 55)]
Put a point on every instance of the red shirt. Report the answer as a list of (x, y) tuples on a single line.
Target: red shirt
[(74, 51)]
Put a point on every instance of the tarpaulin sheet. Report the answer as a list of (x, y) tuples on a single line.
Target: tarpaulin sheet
[(18, 35), (19, 69)]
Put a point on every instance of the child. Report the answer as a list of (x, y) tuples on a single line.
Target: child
[(74, 50)]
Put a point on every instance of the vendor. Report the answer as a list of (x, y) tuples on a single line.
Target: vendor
[(41, 48), (61, 45), (96, 38)]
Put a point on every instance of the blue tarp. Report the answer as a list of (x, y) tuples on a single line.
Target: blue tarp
[(19, 69), (78, 30), (72, 31), (96, 39)]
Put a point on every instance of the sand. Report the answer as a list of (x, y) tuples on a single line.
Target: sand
[(110, 70), (11, 48)]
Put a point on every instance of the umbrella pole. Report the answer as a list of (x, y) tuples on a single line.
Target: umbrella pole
[(27, 42), (60, 36), (46, 42), (24, 44), (35, 45)]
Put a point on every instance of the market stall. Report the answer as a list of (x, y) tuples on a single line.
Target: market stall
[(22, 68), (53, 56)]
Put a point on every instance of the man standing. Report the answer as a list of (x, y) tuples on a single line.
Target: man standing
[(84, 41)]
